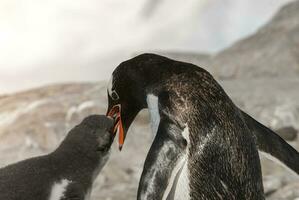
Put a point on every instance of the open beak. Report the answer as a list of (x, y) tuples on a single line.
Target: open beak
[(115, 113)]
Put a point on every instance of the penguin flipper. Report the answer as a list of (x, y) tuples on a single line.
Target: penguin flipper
[(271, 143), (162, 164)]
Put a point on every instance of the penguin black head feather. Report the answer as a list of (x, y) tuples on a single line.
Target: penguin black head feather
[(126, 96), (133, 80)]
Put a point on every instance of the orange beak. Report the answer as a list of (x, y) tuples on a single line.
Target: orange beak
[(115, 113)]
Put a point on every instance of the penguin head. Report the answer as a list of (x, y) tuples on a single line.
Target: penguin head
[(100, 127), (129, 85), (126, 97), (92, 137)]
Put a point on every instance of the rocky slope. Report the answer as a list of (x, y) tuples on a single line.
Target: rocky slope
[(271, 52), (260, 73)]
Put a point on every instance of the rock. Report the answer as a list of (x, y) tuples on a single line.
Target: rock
[(288, 192), (274, 102), (271, 184), (287, 133)]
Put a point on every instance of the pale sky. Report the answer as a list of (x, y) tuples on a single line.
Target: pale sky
[(49, 41)]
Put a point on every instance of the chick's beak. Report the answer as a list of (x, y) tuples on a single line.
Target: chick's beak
[(115, 113)]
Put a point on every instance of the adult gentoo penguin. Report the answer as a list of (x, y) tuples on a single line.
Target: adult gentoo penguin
[(205, 147), (68, 172)]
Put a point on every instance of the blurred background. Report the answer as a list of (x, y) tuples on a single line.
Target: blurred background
[(56, 57), (47, 41)]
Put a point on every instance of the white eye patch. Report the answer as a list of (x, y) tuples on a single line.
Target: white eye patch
[(110, 85), (114, 95)]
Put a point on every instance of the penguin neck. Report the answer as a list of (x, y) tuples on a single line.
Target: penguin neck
[(153, 108), (76, 158), (157, 110)]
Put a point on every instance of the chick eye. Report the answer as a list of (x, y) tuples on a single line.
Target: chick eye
[(114, 95)]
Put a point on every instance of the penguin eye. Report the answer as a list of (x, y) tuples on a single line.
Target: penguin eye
[(114, 95)]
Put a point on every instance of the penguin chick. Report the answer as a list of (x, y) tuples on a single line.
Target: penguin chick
[(68, 172)]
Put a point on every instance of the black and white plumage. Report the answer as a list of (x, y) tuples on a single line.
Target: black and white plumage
[(205, 147), (65, 174)]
